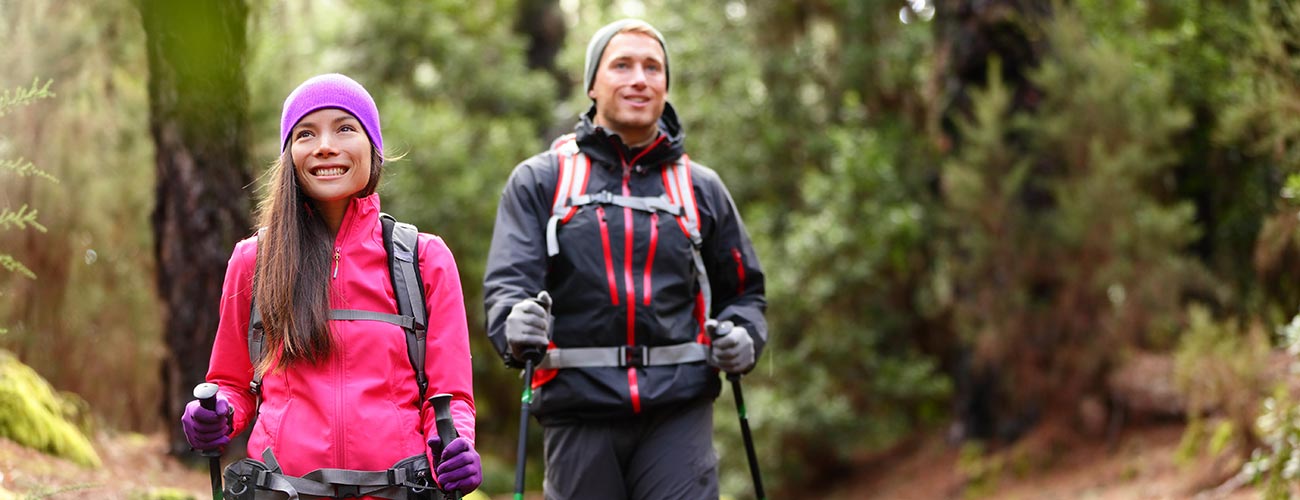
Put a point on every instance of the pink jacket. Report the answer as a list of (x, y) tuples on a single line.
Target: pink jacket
[(356, 410)]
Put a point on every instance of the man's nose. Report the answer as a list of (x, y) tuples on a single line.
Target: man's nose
[(638, 75)]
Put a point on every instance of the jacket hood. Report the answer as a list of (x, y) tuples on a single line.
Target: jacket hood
[(608, 148)]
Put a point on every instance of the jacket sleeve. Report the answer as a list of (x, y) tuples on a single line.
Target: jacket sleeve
[(447, 363), (229, 366), (516, 264), (735, 275)]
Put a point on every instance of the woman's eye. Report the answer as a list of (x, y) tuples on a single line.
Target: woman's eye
[(347, 128), (302, 133)]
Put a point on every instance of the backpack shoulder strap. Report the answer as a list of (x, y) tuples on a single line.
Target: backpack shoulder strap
[(401, 241), (677, 182), (571, 181), (256, 334)]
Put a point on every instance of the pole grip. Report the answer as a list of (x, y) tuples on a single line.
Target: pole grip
[(533, 354), (206, 393), (446, 426)]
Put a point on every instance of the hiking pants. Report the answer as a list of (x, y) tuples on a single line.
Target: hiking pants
[(665, 455)]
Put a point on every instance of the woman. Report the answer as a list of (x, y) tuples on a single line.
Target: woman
[(336, 394)]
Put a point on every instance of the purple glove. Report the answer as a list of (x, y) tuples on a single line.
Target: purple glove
[(459, 467), (206, 429)]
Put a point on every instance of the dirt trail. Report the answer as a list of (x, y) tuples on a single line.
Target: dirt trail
[(1141, 465)]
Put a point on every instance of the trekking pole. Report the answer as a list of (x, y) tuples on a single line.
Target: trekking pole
[(531, 358), (206, 393), (446, 430), (712, 327)]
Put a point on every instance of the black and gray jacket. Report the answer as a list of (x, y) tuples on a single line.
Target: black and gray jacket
[(600, 278)]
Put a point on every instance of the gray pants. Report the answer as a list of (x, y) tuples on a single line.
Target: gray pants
[(665, 455)]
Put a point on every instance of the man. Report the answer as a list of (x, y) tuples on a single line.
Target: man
[(635, 246)]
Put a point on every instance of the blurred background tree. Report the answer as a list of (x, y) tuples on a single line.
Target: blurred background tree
[(971, 213), (198, 118)]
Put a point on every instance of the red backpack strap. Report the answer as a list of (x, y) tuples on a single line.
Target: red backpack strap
[(677, 183), (571, 181)]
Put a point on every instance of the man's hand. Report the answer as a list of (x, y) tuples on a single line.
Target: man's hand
[(528, 327), (733, 349)]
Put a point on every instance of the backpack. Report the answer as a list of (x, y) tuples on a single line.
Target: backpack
[(401, 244), (677, 201)]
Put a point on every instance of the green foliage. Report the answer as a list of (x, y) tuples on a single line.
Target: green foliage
[(34, 415), (23, 217), (1065, 246), (1219, 367), (1258, 119), (1276, 463)]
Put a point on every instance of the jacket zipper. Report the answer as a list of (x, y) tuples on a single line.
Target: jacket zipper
[(630, 286), (345, 231), (609, 259), (650, 258)]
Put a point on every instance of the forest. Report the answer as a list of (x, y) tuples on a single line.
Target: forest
[(985, 220)]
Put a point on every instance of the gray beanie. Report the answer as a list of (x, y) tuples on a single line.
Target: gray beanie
[(596, 49)]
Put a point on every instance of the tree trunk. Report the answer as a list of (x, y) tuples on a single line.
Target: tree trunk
[(542, 23), (198, 106)]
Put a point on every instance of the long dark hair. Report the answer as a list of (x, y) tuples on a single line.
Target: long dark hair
[(293, 260)]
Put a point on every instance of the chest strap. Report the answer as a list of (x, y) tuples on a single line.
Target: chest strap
[(257, 337), (624, 356)]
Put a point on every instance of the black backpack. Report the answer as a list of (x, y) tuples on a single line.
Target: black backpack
[(401, 244)]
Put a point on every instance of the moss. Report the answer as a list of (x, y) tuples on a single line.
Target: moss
[(33, 414)]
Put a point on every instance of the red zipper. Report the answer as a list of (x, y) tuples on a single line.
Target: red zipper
[(609, 259), (650, 259), (628, 284)]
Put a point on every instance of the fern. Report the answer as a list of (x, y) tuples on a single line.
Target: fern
[(22, 96), (24, 217)]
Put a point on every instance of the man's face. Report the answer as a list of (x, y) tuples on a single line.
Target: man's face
[(630, 87)]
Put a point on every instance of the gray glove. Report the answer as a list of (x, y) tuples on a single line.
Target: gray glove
[(528, 327), (733, 349)]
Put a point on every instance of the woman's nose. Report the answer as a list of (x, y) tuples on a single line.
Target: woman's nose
[(325, 146)]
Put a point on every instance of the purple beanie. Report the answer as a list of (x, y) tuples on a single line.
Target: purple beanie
[(331, 91)]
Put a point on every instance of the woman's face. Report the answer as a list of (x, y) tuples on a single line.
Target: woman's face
[(331, 157)]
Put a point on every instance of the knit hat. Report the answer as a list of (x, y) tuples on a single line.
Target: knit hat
[(596, 49), (331, 91)]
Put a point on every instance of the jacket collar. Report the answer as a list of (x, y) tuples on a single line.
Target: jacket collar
[(361, 214), (608, 149)]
